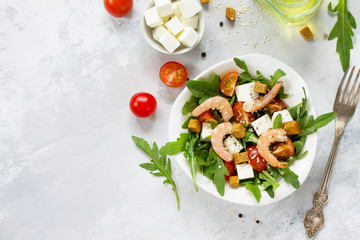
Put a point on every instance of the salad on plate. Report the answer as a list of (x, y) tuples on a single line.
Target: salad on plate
[(241, 132)]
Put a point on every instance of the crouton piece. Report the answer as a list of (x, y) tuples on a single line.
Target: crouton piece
[(306, 33), (230, 13), (260, 87), (238, 130), (204, 1), (292, 127), (234, 181), (240, 157), (194, 125)]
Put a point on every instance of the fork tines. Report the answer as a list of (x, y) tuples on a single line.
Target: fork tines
[(348, 99)]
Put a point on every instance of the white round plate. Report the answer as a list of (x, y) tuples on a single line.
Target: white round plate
[(293, 84)]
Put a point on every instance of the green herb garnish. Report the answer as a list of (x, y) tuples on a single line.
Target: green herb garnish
[(343, 31), (159, 165)]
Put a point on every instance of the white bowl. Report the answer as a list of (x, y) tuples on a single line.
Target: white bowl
[(293, 84), (148, 35)]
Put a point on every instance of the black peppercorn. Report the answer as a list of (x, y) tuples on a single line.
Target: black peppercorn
[(203, 54), (257, 221), (240, 215), (221, 24)]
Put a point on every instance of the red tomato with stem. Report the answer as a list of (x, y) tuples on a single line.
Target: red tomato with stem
[(230, 166), (256, 161), (207, 116), (240, 116), (173, 74), (228, 83), (118, 8), (143, 104)]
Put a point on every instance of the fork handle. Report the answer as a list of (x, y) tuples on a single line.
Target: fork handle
[(340, 125)]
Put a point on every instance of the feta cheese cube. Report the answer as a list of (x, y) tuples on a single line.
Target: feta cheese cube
[(169, 42), (245, 92), (164, 7), (190, 22), (232, 145), (189, 8), (176, 9), (152, 17), (188, 37), (244, 171), (286, 117), (206, 131), (262, 124), (158, 32), (174, 25)]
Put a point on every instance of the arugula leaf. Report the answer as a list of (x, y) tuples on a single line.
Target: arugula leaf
[(203, 89), (241, 64), (268, 180), (249, 137), (172, 148), (254, 189), (190, 154), (270, 191), (298, 146), (190, 105), (343, 31), (261, 78), (290, 177), (319, 122), (276, 76), (278, 122), (158, 166), (216, 172)]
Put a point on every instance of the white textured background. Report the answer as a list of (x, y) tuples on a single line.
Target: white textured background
[(68, 167)]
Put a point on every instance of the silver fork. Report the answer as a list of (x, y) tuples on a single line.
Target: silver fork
[(344, 107)]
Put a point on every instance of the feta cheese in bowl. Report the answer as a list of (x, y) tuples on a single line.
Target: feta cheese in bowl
[(173, 27)]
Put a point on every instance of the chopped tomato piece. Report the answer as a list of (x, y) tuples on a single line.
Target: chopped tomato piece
[(240, 116), (275, 105), (283, 150), (228, 83), (231, 169), (256, 161), (207, 116), (173, 74)]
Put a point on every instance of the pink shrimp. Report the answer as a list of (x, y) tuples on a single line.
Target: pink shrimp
[(219, 103), (256, 104), (263, 144), (217, 137)]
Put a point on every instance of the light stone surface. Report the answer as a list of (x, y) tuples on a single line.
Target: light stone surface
[(68, 167)]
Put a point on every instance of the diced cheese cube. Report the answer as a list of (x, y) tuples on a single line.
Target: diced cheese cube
[(152, 17), (176, 9), (169, 42), (244, 171), (189, 8), (164, 7), (174, 25), (245, 92), (286, 117), (262, 124), (158, 32), (188, 37), (190, 22), (232, 145), (166, 18), (206, 131)]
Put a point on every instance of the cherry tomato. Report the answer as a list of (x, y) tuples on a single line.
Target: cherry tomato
[(283, 150), (207, 116), (228, 82), (240, 116), (256, 161), (118, 8), (143, 104), (275, 105), (231, 169), (173, 74)]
